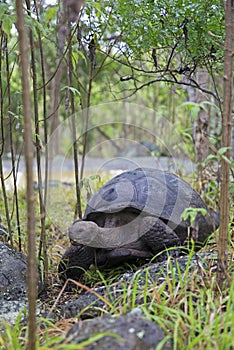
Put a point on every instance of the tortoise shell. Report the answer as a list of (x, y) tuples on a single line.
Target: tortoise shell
[(157, 193)]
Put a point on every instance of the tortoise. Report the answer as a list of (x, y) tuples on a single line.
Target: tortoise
[(135, 215)]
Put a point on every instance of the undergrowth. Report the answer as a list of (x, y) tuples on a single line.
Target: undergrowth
[(189, 306)]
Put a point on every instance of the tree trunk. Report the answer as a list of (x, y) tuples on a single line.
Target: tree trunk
[(28, 152), (200, 127), (233, 137), (226, 140), (55, 103)]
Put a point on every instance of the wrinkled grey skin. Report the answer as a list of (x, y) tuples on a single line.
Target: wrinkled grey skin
[(136, 215)]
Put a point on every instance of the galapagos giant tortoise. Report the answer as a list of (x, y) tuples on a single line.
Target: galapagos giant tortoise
[(134, 216)]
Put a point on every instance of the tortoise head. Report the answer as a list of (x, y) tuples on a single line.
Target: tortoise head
[(83, 232)]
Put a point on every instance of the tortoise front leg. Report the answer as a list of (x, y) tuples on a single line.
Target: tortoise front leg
[(75, 261), (158, 235)]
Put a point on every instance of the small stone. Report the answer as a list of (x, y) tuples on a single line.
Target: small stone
[(141, 334), (131, 330)]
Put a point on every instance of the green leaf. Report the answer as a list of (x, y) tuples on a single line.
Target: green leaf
[(50, 14), (7, 23), (3, 9), (193, 108), (95, 177), (223, 150), (211, 104), (208, 158), (191, 213), (72, 89)]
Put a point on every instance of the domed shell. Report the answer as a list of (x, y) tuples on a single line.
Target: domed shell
[(157, 193)]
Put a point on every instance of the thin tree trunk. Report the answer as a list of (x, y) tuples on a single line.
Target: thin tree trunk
[(55, 100), (14, 172), (78, 212), (43, 240), (92, 53), (226, 140), (38, 151), (2, 147), (28, 151), (233, 136), (200, 127)]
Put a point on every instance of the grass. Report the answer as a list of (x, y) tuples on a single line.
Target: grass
[(193, 311), (197, 317)]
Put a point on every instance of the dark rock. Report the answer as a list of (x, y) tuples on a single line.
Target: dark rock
[(13, 274), (13, 282), (127, 332), (88, 302)]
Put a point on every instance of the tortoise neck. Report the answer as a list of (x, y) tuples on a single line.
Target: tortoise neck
[(111, 237), (115, 237)]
